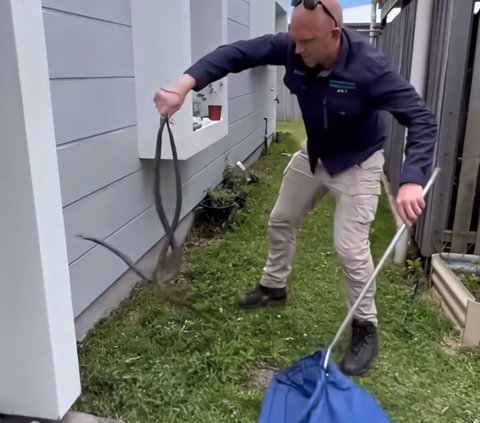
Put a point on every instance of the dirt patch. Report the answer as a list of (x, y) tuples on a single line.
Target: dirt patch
[(451, 344), (434, 297), (260, 377), (200, 237)]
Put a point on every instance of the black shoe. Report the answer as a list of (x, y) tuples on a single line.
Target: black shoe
[(262, 296), (363, 349)]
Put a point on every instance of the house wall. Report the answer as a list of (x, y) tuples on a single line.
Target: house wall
[(106, 188), (38, 358)]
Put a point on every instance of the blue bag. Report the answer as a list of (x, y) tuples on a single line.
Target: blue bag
[(306, 393), (314, 390)]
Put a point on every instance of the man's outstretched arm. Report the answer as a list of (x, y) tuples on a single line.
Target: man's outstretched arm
[(229, 58)]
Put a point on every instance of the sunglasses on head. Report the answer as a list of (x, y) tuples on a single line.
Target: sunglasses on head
[(312, 4)]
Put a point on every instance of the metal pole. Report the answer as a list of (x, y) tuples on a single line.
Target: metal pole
[(373, 22), (379, 266)]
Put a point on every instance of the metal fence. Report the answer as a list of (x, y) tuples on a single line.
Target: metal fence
[(397, 42), (451, 222), (462, 232)]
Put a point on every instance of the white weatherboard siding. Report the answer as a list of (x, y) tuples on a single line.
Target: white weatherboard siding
[(101, 92), (38, 361), (263, 21)]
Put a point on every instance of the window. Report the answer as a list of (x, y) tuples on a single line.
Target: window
[(167, 38)]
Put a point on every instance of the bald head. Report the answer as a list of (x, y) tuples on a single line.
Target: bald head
[(335, 9), (316, 36), (324, 13)]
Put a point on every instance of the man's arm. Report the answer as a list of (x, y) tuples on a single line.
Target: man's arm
[(238, 56), (229, 58), (393, 93)]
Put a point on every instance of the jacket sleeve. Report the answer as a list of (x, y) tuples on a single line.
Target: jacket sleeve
[(391, 92), (238, 56)]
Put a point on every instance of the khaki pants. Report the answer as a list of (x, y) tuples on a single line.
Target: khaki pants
[(356, 191)]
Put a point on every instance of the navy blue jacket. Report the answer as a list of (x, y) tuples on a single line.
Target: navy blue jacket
[(341, 108)]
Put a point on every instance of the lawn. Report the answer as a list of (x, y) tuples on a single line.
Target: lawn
[(153, 361)]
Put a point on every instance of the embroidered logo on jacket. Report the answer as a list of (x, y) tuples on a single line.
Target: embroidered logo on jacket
[(342, 86)]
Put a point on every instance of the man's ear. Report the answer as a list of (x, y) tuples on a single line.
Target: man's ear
[(336, 33)]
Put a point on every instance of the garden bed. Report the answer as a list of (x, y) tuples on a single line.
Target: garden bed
[(456, 278)]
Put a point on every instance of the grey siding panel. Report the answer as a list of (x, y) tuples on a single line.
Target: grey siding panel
[(191, 167), (88, 107), (88, 165), (239, 131), (243, 149), (239, 11), (245, 127), (103, 212), (99, 268), (196, 188), (109, 10), (84, 47), (108, 190), (211, 174), (246, 82), (94, 272), (240, 107), (236, 32)]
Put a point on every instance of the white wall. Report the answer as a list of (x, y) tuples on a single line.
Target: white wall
[(114, 202), (38, 361), (263, 21)]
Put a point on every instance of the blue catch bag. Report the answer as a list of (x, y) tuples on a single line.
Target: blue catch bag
[(306, 393)]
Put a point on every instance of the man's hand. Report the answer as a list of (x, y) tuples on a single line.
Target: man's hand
[(169, 101), (410, 203)]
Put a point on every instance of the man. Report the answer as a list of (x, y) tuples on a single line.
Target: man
[(342, 83)]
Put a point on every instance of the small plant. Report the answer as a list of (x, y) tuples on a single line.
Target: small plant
[(222, 197), (472, 283), (280, 136), (221, 203), (234, 177), (415, 270), (219, 207)]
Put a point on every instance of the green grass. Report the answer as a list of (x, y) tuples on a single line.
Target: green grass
[(152, 361)]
